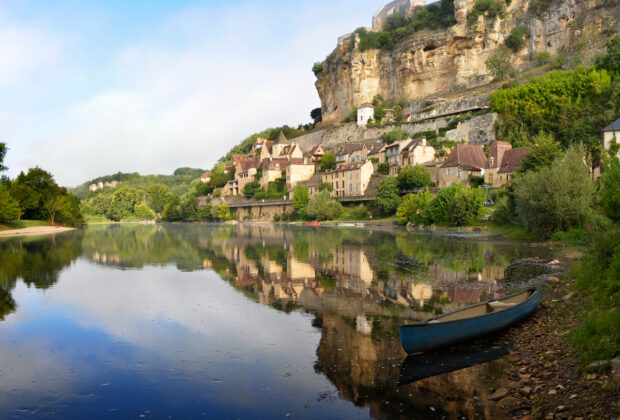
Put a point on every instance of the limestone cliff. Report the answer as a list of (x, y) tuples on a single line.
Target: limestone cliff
[(452, 60)]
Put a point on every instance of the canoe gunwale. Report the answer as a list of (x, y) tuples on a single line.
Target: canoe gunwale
[(427, 323)]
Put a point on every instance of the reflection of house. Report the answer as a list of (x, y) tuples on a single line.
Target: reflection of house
[(463, 161), (353, 262)]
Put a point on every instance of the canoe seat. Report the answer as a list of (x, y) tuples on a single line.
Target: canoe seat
[(500, 305)]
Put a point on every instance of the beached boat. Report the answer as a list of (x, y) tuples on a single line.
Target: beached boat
[(346, 224), (313, 224), (469, 322)]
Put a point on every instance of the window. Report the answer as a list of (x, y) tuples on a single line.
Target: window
[(458, 173), (449, 171)]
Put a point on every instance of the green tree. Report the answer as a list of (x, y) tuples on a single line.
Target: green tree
[(316, 115), (516, 40), (326, 186), (499, 64), (223, 213), (250, 189), (122, 204), (157, 195), (396, 134), (29, 200), (543, 57), (172, 210), (554, 198), (543, 154), (317, 68), (301, 198), (9, 207), (611, 60), (144, 212), (439, 208), (465, 206), (100, 203), (411, 177), (413, 208), (2, 156), (328, 161), (41, 187), (70, 213), (322, 207), (383, 168), (53, 206), (388, 198), (610, 189)]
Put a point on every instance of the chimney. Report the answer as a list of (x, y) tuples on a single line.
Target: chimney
[(424, 141)]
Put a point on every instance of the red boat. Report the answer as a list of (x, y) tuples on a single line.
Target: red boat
[(313, 224)]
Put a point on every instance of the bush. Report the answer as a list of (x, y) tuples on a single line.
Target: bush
[(9, 207), (543, 57), (465, 206), (396, 134), (223, 213), (144, 212), (328, 162), (411, 177), (555, 198), (388, 198), (413, 208), (610, 189), (546, 151), (504, 212), (438, 210), (383, 168), (317, 68), (322, 207), (516, 40), (250, 189), (300, 199), (493, 7), (611, 60), (326, 186), (499, 64)]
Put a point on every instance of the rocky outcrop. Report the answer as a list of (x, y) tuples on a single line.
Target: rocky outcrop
[(452, 60)]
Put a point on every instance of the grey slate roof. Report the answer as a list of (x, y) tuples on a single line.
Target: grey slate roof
[(614, 126)]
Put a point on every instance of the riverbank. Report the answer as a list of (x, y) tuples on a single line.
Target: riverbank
[(34, 231), (546, 376)]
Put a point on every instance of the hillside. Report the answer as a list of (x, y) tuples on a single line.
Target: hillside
[(427, 55)]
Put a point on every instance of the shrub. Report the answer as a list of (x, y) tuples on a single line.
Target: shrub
[(322, 207), (383, 168), (554, 198), (542, 155), (144, 212), (411, 177), (543, 57), (438, 210), (516, 40), (395, 135), (300, 198), (388, 198), (326, 186), (413, 208), (610, 189), (317, 68), (504, 211), (559, 61), (250, 189), (223, 213), (493, 7), (9, 207), (328, 162), (499, 64), (611, 60), (465, 206)]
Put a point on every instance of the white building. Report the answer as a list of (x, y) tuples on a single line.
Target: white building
[(611, 134), (364, 113)]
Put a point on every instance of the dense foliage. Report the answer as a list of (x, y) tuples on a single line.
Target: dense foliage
[(328, 161), (516, 40), (388, 196), (322, 207), (396, 134), (399, 27), (492, 8)]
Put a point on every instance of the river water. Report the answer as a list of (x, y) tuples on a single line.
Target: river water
[(243, 321)]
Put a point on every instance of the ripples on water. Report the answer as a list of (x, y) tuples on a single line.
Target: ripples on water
[(242, 321)]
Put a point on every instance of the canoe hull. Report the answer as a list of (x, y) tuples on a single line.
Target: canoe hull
[(421, 337)]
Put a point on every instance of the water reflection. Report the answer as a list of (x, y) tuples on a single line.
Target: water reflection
[(346, 291)]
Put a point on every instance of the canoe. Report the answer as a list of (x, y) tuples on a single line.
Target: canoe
[(469, 322), (313, 224)]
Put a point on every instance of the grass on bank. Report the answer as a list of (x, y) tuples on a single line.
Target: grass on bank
[(22, 224)]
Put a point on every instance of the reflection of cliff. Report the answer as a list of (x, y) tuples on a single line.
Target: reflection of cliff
[(365, 370)]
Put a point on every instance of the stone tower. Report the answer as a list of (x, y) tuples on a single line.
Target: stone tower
[(404, 7)]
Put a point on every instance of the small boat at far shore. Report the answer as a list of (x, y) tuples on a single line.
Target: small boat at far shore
[(313, 224), (470, 322)]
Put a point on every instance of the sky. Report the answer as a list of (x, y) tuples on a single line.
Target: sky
[(90, 88)]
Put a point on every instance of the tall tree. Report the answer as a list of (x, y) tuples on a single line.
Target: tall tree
[(9, 207), (542, 155), (2, 155)]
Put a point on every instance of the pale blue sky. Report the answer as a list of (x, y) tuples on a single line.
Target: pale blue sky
[(90, 88)]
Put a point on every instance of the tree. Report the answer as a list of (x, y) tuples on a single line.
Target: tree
[(554, 198), (328, 161), (610, 189), (317, 115), (317, 68), (172, 210), (499, 64), (144, 212), (383, 168), (322, 207), (157, 195), (388, 198), (543, 154), (543, 57), (300, 198), (411, 177), (250, 189), (439, 208), (3, 150), (122, 204), (326, 186), (53, 206), (9, 207), (515, 40), (223, 213), (413, 208), (465, 206), (395, 134), (39, 188), (611, 60)]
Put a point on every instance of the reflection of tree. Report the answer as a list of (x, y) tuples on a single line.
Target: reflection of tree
[(36, 261)]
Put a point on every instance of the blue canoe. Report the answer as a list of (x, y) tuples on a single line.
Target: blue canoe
[(469, 322)]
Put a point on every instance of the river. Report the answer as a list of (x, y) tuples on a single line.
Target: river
[(243, 321)]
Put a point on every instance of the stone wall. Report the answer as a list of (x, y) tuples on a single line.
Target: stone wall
[(262, 213), (478, 130)]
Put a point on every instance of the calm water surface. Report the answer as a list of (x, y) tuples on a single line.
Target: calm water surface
[(247, 321)]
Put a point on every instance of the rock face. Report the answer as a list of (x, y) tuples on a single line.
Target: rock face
[(452, 60)]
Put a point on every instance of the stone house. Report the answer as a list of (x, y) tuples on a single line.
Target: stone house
[(365, 113), (377, 152), (392, 155), (416, 152), (297, 171), (316, 154), (502, 162), (433, 169), (245, 173), (344, 152), (350, 179), (273, 169), (510, 163), (611, 134), (312, 184), (262, 148), (206, 177), (464, 160)]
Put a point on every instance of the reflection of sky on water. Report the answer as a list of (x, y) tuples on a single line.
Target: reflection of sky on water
[(157, 340)]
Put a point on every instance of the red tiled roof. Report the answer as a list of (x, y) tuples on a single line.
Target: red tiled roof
[(314, 181), (246, 164), (300, 161), (466, 155), (313, 151), (270, 164), (512, 159), (496, 151)]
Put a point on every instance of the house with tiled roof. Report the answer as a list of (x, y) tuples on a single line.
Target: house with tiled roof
[(464, 160), (349, 179), (206, 177), (316, 153), (416, 152), (273, 169), (510, 163), (298, 170), (392, 155), (312, 184), (611, 135), (502, 162)]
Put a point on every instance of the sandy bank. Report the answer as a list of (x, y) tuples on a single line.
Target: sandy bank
[(34, 231)]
